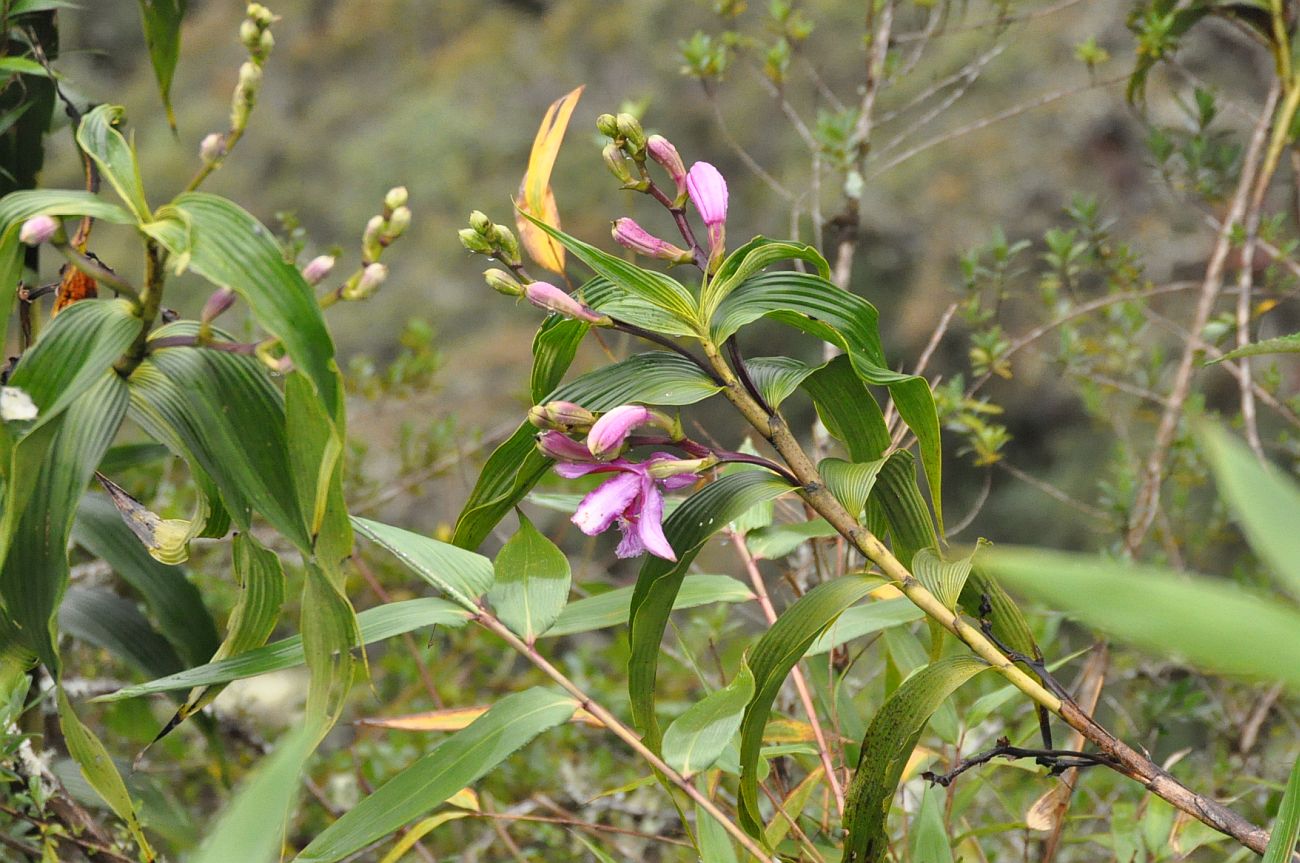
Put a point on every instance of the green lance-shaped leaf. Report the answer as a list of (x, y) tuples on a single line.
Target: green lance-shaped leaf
[(691, 524), (863, 620), (610, 299), (777, 378), (1211, 623), (695, 739), (890, 739), (463, 575), (714, 842), (98, 769), (227, 246), (1289, 344), (455, 763), (1266, 503), (814, 305), (532, 582), (260, 576), (775, 541), (375, 624), (251, 828), (1286, 829), (101, 618), (554, 348), (35, 571), (329, 632), (162, 35), (850, 482), (899, 501), (655, 378), (655, 288), (848, 410), (771, 659), (17, 207), (99, 138), (227, 416), (612, 607), (750, 259), (929, 834)]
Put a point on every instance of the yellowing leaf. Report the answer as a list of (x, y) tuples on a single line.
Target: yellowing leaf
[(536, 196), (465, 798), (451, 719)]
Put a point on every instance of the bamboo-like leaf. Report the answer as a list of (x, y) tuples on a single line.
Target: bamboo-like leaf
[(554, 347), (657, 585), (375, 624), (454, 719), (1266, 503), (162, 35), (101, 618), (251, 828), (532, 582), (771, 659), (752, 258), (777, 540), (17, 207), (899, 500), (848, 410), (463, 575), (1212, 623), (792, 807), (944, 578), (654, 287), (610, 299), (455, 763), (174, 602), (777, 378), (714, 842), (224, 243), (398, 852), (695, 739), (863, 620), (814, 305), (537, 198), (929, 835), (98, 769), (890, 739), (99, 138), (1286, 829), (850, 482), (613, 607)]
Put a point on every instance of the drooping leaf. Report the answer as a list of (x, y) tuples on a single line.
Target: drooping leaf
[(657, 585), (376, 624), (463, 575), (613, 607), (99, 138), (455, 763), (1286, 829), (251, 828), (162, 35), (536, 196), (1212, 623), (771, 659), (532, 582), (101, 618), (899, 500), (695, 739), (890, 739), (1266, 503)]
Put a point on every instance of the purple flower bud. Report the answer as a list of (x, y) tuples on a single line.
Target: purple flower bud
[(365, 285), (544, 295), (609, 433), (561, 416), (39, 229), (631, 235), (708, 191), (663, 152), (561, 447), (217, 305), (318, 269)]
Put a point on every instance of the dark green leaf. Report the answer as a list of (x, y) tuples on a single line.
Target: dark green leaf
[(162, 35), (554, 347), (613, 607), (753, 257), (101, 618), (848, 410), (904, 510), (455, 763), (463, 575), (892, 736)]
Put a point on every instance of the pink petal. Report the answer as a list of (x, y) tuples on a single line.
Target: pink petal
[(610, 431), (558, 445), (708, 191), (630, 545), (649, 525), (682, 480), (570, 470), (606, 502)]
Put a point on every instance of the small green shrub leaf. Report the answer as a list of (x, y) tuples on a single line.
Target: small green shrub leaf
[(695, 739), (532, 582)]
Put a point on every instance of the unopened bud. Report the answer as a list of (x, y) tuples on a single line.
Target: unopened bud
[(607, 125), (629, 234), (503, 283), (546, 296), (371, 241), (217, 305), (250, 77), (250, 34), (39, 229), (398, 222), (665, 468), (630, 128), (506, 242), (260, 15), (479, 221), (212, 148), (395, 198), (318, 269), (264, 45), (663, 152), (561, 416), (618, 165), (474, 241), (364, 287)]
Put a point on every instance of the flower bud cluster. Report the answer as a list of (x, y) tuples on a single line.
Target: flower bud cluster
[(483, 237), (386, 227), (628, 141), (382, 229), (255, 34)]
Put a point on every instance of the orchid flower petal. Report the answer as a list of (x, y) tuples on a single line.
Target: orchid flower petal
[(559, 446), (607, 502), (610, 431), (650, 524)]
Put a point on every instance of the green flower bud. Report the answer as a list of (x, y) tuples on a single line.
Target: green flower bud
[(502, 282), (264, 45), (481, 224), (618, 166), (561, 416), (506, 242), (474, 241), (395, 198), (607, 125), (630, 128), (364, 286), (260, 15), (398, 222), (372, 241), (250, 34)]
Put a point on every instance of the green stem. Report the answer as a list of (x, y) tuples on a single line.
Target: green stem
[(147, 305)]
